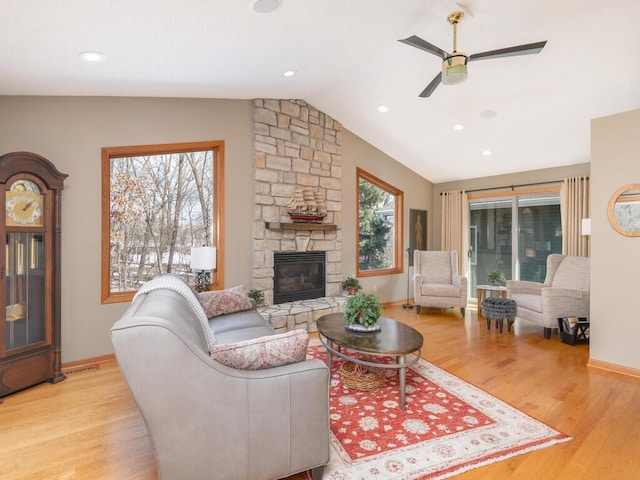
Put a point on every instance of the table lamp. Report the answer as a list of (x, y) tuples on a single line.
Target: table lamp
[(203, 260)]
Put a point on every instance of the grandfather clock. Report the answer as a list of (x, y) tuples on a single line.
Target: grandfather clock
[(30, 188)]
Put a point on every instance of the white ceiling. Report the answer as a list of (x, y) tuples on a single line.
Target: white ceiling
[(349, 61)]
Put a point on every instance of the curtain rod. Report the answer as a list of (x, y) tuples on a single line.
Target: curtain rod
[(512, 187)]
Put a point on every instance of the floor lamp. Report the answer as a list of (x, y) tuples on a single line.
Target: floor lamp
[(409, 253)]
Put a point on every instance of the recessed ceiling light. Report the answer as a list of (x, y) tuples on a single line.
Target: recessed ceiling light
[(383, 108), (92, 56), (458, 126), (265, 6), (486, 153), (289, 73)]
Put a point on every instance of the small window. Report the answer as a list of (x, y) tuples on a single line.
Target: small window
[(158, 201), (380, 207)]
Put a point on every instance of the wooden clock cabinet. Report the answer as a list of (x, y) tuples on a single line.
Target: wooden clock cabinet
[(30, 233)]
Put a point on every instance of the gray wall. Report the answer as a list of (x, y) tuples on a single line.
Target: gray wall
[(615, 259), (70, 131), (418, 194)]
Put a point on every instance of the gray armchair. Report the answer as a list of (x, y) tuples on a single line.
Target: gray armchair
[(436, 280), (564, 293)]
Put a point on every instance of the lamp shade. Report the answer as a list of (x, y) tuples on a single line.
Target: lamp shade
[(203, 258), (586, 226)]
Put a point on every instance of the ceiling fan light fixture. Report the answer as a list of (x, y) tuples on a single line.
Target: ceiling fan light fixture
[(454, 69), (454, 65)]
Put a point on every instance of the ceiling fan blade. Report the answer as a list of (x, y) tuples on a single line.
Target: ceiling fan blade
[(527, 49), (417, 42), (432, 86)]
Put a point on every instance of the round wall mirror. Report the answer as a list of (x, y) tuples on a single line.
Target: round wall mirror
[(624, 210)]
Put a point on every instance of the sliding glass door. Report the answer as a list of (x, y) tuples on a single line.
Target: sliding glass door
[(539, 234), (513, 234), (490, 241)]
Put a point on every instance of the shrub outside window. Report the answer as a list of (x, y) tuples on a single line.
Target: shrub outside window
[(380, 207)]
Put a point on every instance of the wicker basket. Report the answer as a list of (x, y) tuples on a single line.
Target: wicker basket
[(362, 377)]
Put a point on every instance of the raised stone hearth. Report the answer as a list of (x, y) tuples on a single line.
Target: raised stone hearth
[(295, 145), (301, 315)]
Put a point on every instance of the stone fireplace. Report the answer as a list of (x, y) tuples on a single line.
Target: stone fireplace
[(295, 146)]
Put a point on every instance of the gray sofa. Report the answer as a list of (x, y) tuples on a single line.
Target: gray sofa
[(207, 420)]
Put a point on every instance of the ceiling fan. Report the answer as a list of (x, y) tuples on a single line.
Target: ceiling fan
[(454, 64)]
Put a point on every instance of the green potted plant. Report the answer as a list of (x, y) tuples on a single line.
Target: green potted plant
[(361, 312), (351, 285), (496, 277), (257, 296)]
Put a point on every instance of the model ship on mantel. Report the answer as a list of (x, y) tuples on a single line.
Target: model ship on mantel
[(307, 206)]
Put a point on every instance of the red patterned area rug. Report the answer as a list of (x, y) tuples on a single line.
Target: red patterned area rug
[(448, 427)]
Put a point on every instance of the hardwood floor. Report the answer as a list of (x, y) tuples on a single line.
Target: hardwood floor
[(88, 427)]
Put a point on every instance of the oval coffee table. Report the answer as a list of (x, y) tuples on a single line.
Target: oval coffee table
[(394, 339)]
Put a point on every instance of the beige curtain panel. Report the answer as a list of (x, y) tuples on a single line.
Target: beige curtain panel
[(574, 206), (455, 226)]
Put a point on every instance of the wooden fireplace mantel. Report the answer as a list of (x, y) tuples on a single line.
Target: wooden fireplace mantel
[(300, 226)]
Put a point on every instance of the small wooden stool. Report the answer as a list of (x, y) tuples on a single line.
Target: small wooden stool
[(499, 309)]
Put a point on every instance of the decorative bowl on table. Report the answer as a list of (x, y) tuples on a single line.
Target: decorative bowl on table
[(356, 327)]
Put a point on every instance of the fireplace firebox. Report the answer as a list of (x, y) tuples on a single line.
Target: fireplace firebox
[(298, 276)]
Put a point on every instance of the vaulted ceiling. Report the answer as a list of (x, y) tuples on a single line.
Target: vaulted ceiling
[(530, 111)]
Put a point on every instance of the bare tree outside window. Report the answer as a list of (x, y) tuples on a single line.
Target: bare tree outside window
[(158, 202)]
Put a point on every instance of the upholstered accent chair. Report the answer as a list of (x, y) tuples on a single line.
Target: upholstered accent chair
[(564, 293), (436, 280)]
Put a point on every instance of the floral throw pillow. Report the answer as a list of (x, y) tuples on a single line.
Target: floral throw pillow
[(219, 302), (263, 352)]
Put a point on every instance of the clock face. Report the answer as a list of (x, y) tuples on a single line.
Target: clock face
[(24, 206)]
